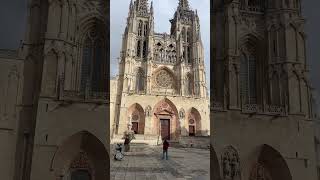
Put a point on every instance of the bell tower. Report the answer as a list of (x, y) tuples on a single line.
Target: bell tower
[(185, 27), (136, 47)]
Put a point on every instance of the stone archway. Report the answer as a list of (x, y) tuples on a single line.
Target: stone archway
[(270, 165), (166, 120), (137, 115), (81, 154), (193, 122)]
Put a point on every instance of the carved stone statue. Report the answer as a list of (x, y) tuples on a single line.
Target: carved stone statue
[(230, 164)]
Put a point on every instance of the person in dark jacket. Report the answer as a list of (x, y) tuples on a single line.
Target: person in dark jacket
[(165, 149)]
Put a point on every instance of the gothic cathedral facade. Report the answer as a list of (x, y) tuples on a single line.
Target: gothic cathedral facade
[(261, 107), (161, 86)]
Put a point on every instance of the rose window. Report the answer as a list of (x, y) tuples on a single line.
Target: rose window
[(135, 117), (191, 121), (164, 79)]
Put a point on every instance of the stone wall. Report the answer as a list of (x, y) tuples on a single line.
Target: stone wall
[(11, 77)]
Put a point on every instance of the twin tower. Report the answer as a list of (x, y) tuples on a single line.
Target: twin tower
[(162, 82), (157, 63)]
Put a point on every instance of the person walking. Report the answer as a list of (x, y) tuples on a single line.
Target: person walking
[(165, 149)]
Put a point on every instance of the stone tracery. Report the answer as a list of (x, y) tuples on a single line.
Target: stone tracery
[(164, 79)]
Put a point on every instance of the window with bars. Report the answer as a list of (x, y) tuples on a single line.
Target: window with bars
[(140, 80), (145, 29), (189, 54), (189, 85), (253, 5), (144, 51), (140, 28), (94, 62), (138, 48), (189, 36), (183, 33), (248, 79)]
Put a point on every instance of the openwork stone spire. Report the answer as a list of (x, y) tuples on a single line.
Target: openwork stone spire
[(184, 4), (142, 7)]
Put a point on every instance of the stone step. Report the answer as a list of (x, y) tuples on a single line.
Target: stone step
[(139, 139)]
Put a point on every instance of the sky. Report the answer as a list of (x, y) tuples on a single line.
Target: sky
[(163, 12), (13, 15)]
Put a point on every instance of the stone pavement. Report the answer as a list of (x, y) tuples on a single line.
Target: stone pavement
[(146, 163)]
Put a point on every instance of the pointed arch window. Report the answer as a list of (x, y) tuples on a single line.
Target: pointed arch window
[(140, 80), (138, 48), (140, 28), (183, 33), (145, 29), (248, 79), (275, 90), (274, 42), (94, 62), (189, 36), (145, 46), (189, 85), (189, 54)]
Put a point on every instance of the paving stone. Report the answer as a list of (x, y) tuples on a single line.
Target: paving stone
[(147, 164)]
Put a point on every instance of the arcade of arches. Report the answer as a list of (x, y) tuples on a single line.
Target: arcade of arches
[(164, 119)]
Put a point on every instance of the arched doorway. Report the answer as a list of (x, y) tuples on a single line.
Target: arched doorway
[(270, 165), (137, 117), (81, 157), (193, 124), (166, 120)]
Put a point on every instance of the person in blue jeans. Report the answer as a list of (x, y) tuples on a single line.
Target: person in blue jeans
[(165, 149)]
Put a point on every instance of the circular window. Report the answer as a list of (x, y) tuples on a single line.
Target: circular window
[(164, 79), (191, 121), (135, 117)]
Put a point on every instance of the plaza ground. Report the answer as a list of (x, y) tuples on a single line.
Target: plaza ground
[(145, 162)]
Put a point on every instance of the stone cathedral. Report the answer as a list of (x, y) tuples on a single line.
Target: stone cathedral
[(260, 106), (161, 90)]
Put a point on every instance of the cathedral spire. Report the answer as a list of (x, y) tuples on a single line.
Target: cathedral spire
[(183, 4), (142, 7), (130, 8), (131, 5), (151, 7)]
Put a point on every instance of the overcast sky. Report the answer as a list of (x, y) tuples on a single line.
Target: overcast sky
[(163, 12), (13, 22)]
